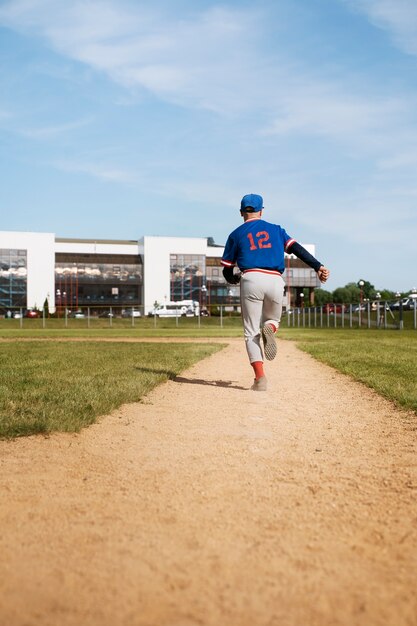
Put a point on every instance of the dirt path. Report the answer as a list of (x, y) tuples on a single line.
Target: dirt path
[(213, 505)]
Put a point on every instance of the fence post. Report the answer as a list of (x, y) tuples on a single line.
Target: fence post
[(369, 314), (343, 315), (21, 318), (401, 315), (221, 316), (415, 313), (43, 317), (385, 314), (88, 317), (335, 315), (350, 315), (66, 317)]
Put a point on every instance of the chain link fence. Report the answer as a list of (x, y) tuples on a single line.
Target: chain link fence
[(118, 317), (380, 315)]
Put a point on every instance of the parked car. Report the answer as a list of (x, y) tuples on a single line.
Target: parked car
[(381, 305), (182, 308), (106, 314), (334, 308), (77, 315), (408, 304), (33, 313), (131, 313), (411, 303)]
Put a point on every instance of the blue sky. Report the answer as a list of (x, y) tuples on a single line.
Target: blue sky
[(127, 118)]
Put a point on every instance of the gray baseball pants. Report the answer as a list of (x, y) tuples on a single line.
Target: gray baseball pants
[(261, 297)]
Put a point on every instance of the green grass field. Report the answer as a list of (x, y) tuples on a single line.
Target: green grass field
[(382, 359), (48, 386), (64, 386), (228, 326)]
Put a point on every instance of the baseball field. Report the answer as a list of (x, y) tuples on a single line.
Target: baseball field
[(144, 484)]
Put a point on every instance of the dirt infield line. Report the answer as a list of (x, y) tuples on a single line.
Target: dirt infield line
[(209, 504)]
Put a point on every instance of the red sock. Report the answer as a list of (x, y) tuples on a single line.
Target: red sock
[(258, 368), (273, 327)]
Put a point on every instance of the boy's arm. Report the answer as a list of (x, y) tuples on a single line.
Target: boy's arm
[(323, 274), (300, 252), (231, 278)]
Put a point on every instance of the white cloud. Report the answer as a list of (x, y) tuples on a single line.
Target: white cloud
[(185, 60), (360, 219), (96, 170), (397, 17), (400, 160), (329, 111), (52, 131), (210, 60)]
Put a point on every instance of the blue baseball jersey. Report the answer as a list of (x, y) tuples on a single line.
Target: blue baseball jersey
[(257, 244)]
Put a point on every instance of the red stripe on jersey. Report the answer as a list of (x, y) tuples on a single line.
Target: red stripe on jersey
[(227, 263), (273, 272), (289, 243)]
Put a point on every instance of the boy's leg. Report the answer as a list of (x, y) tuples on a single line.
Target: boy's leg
[(272, 306), (271, 315), (251, 299)]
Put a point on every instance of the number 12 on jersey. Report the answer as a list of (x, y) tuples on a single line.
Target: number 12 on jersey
[(261, 240)]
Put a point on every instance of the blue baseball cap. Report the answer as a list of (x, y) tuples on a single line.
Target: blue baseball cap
[(252, 203)]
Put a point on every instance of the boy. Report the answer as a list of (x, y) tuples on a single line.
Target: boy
[(257, 247)]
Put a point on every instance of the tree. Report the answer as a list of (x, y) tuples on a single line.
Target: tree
[(368, 289), (46, 307), (342, 295), (347, 294), (386, 294), (321, 296)]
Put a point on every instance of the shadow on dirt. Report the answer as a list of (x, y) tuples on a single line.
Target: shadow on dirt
[(192, 381), (213, 383)]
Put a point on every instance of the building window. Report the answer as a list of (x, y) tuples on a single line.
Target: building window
[(188, 275), (98, 280), (13, 278)]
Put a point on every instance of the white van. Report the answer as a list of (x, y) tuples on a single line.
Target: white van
[(182, 308)]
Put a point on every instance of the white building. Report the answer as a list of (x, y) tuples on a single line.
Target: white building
[(27, 262), (77, 273)]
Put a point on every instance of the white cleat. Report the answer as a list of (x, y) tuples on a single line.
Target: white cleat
[(270, 344), (260, 384)]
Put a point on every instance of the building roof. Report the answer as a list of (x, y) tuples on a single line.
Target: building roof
[(115, 241)]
